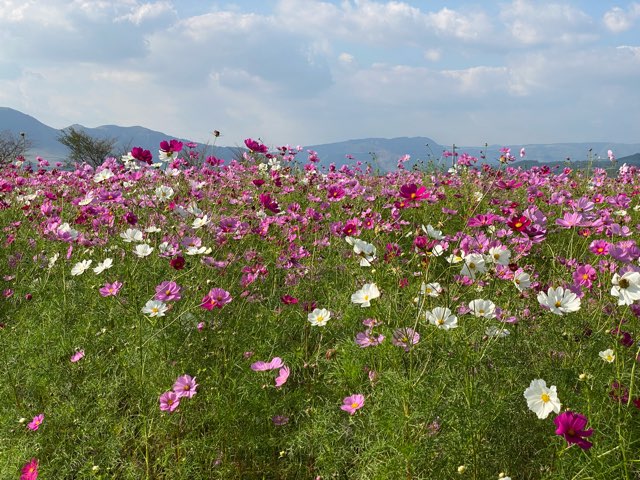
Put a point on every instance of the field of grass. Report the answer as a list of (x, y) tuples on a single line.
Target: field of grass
[(270, 318)]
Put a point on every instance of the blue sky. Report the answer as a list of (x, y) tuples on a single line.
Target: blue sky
[(317, 71)]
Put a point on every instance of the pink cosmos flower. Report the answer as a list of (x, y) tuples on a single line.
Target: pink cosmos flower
[(185, 386), (283, 376), (405, 338), (110, 289), (584, 276), (169, 401), (77, 356), (216, 298), (261, 366), (35, 423), (168, 291), (30, 470), (255, 146), (599, 247), (571, 426), (352, 403)]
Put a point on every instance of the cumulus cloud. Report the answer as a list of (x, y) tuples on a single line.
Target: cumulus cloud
[(536, 24), (618, 20)]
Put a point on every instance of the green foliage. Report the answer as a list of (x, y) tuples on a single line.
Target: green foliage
[(85, 148)]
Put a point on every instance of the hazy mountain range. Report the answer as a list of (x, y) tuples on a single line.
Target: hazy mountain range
[(381, 152)]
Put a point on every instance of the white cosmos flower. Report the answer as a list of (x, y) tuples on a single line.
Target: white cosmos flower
[(65, 230), (164, 193), (155, 308), (499, 255), (103, 175), (193, 250), (522, 280), (200, 222), (559, 300), (483, 308), (53, 260), (542, 400), (104, 265), (607, 355), (626, 287), (368, 292), (319, 317), (366, 251), (131, 235), (432, 232), (493, 331), (152, 229), (80, 267), (88, 198), (442, 318), (143, 250), (473, 265), (433, 289)]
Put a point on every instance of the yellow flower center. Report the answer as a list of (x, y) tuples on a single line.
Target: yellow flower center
[(355, 405), (558, 303), (545, 398)]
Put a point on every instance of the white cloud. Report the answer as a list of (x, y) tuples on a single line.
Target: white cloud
[(539, 24), (618, 20)]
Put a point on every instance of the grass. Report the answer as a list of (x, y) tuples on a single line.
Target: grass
[(451, 406)]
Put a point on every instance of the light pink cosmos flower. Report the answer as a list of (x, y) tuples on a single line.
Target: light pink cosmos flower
[(352, 403), (261, 366), (168, 291), (169, 401), (110, 289), (283, 376), (36, 422), (77, 356), (185, 386)]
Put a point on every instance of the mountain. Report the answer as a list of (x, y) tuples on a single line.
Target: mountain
[(381, 153)]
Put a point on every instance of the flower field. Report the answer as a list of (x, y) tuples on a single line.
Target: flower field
[(267, 317)]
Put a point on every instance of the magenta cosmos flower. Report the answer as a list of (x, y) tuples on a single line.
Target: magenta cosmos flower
[(352, 403), (185, 386), (405, 338), (216, 298), (142, 155), (255, 146), (571, 425), (36, 422), (30, 470), (168, 291), (169, 401)]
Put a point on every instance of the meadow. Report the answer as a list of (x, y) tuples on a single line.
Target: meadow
[(176, 316)]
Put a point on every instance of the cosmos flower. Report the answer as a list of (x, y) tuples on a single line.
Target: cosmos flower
[(36, 422), (319, 317), (626, 287), (77, 356), (169, 401), (80, 267), (570, 425), (542, 400), (155, 308), (185, 386), (559, 301), (442, 318), (352, 403), (363, 297)]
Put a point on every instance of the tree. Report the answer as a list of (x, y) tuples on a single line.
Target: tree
[(12, 146), (85, 148)]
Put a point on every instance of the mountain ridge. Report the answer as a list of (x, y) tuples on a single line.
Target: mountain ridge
[(382, 152)]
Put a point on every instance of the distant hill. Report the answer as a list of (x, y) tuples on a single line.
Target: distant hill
[(380, 152)]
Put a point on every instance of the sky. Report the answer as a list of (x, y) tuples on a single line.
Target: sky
[(319, 71)]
